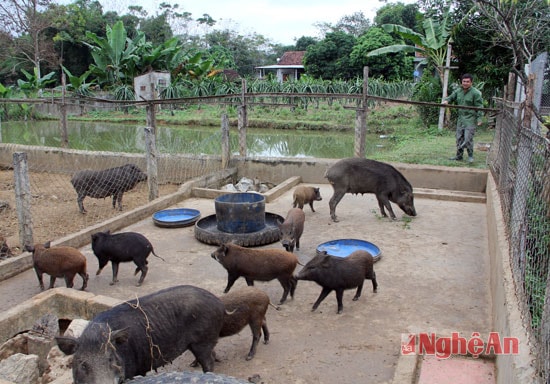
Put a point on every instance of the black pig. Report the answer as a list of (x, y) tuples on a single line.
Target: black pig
[(122, 247), (338, 274), (108, 182), (357, 175), (143, 334)]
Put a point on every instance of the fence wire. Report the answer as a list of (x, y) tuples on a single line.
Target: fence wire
[(53, 204), (520, 163)]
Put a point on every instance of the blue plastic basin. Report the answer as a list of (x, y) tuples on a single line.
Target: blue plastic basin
[(344, 247)]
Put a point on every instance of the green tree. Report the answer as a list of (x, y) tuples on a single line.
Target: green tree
[(522, 26), (393, 66), (399, 14), (25, 21), (305, 41), (247, 51), (330, 58), (72, 23)]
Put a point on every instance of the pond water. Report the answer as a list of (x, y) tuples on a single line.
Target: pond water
[(98, 136)]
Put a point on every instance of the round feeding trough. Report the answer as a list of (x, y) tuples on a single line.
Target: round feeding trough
[(240, 212), (176, 218), (206, 231), (344, 247), (240, 218)]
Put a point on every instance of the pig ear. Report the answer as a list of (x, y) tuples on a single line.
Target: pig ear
[(47, 245), (29, 248), (67, 344), (120, 336), (325, 262)]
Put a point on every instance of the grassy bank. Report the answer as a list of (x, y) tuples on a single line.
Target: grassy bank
[(411, 141)]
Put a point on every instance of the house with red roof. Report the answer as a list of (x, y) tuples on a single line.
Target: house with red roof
[(288, 67)]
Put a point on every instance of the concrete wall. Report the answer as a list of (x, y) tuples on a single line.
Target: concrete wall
[(65, 303), (275, 170), (507, 319)]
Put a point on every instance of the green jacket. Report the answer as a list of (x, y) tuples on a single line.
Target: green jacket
[(472, 98)]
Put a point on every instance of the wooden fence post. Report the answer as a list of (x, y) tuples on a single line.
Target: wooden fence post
[(23, 198), (361, 118), (242, 121), (152, 166), (63, 114), (225, 141), (151, 117)]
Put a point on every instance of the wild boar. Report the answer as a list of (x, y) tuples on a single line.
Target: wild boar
[(338, 274), (306, 195), (246, 306), (107, 182), (357, 175), (258, 264), (57, 262), (122, 247), (292, 228), (143, 334)]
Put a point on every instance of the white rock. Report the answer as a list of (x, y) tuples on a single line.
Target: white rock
[(20, 369)]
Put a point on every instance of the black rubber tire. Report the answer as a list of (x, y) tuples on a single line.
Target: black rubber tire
[(207, 232)]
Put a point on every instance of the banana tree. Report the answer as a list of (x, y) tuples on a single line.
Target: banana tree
[(432, 46), (34, 82), (5, 93), (114, 55), (77, 84)]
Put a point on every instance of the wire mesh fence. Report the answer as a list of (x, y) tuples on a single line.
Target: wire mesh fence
[(93, 181), (520, 162)]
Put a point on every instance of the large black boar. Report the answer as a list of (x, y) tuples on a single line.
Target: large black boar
[(357, 175), (258, 264), (338, 274), (292, 228), (108, 182), (120, 248), (143, 334)]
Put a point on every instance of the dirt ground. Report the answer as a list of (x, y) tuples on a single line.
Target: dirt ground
[(54, 208), (433, 277)]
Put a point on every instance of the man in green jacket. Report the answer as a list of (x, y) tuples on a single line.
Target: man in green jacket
[(468, 119)]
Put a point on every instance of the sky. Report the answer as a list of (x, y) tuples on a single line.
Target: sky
[(282, 21)]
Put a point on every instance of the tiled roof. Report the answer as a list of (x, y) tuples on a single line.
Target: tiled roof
[(292, 58)]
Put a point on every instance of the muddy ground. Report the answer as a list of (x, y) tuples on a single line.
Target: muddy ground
[(433, 276)]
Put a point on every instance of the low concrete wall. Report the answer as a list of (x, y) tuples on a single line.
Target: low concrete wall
[(506, 313), (65, 303), (274, 170)]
